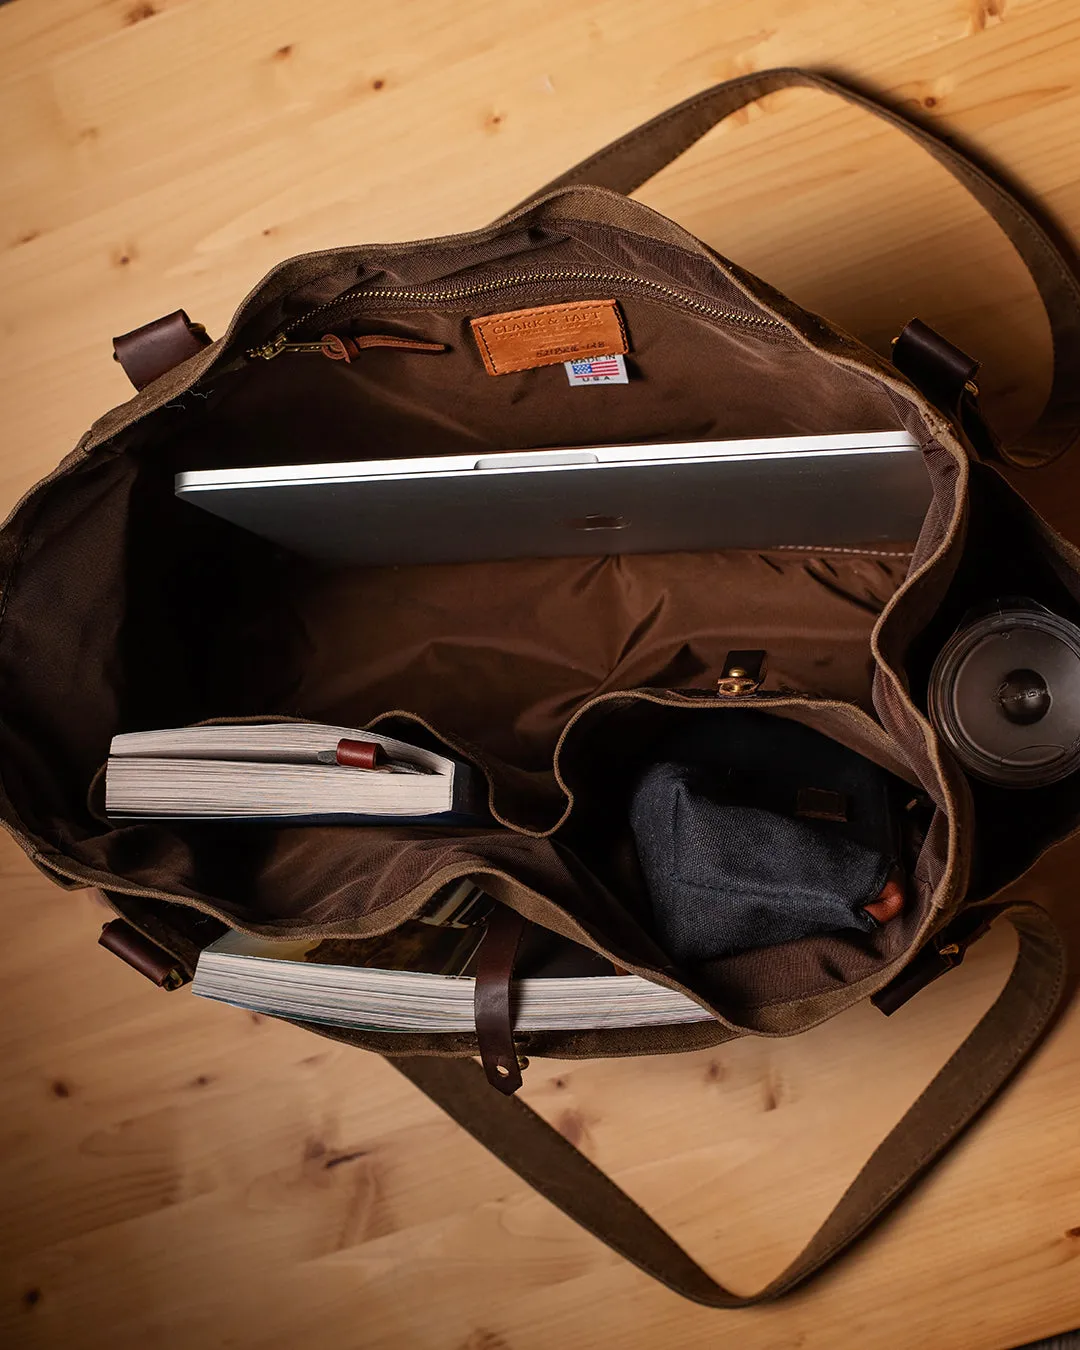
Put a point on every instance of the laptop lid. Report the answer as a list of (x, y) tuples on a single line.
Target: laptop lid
[(813, 491)]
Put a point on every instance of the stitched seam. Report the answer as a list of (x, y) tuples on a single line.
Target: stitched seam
[(858, 552), (489, 360), (622, 328)]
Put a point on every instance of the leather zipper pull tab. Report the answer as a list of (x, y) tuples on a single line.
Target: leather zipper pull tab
[(491, 999), (347, 348), (339, 348)]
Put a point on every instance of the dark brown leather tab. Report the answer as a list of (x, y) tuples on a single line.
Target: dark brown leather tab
[(175, 928), (938, 370), (945, 376), (149, 351), (158, 965), (941, 954), (491, 999), (822, 804)]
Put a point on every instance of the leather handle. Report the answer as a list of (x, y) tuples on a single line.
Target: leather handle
[(985, 1061), (634, 158)]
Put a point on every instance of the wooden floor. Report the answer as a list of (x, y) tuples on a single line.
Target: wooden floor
[(181, 1175)]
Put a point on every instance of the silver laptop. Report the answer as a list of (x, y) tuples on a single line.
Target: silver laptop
[(802, 491)]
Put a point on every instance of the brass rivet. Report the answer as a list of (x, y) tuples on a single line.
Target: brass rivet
[(502, 1070), (737, 673)]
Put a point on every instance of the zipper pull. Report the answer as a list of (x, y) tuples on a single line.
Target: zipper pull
[(279, 345), (342, 348)]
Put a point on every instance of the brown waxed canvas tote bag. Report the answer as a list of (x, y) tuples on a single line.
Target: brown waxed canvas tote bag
[(124, 609)]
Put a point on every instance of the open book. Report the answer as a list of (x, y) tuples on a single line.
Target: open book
[(299, 771), (419, 978)]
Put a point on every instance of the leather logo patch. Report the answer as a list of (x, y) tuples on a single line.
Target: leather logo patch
[(549, 335)]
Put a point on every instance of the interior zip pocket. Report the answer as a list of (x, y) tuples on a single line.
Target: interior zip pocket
[(348, 304)]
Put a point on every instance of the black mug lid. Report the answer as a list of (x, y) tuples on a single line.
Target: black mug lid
[(1005, 695)]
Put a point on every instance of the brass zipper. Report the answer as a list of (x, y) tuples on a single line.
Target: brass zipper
[(280, 344)]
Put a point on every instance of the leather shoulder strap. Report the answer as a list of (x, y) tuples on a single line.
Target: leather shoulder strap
[(975, 1073), (630, 161)]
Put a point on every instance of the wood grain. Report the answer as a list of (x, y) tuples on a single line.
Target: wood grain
[(182, 1174)]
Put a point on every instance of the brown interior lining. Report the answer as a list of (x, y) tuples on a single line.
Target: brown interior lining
[(171, 616)]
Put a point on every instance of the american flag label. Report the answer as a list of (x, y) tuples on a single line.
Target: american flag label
[(597, 370)]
